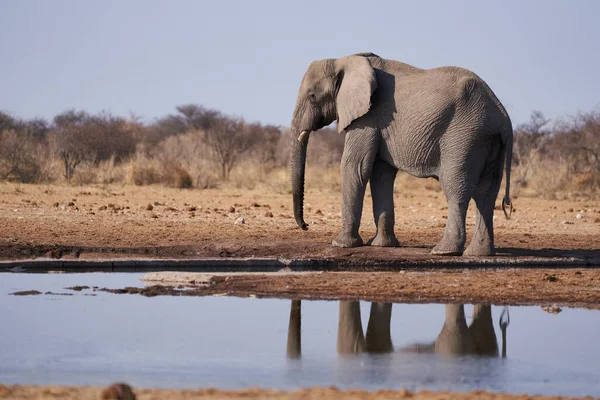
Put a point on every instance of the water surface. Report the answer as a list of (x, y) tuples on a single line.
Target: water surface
[(233, 343)]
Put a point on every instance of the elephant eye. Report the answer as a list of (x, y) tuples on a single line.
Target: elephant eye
[(312, 97)]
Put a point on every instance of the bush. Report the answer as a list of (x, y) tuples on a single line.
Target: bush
[(183, 179)]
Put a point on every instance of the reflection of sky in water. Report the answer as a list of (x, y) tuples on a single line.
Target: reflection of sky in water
[(233, 343)]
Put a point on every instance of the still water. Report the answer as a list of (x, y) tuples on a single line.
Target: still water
[(232, 343)]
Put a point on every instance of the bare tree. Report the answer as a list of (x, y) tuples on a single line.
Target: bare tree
[(228, 139), (71, 138), (12, 152)]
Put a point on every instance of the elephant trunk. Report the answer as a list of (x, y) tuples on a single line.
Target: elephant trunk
[(298, 164)]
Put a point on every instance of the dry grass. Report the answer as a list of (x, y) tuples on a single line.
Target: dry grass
[(183, 161)]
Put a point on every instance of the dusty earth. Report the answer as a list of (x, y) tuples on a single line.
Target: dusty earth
[(111, 221), (67, 222), (92, 393)]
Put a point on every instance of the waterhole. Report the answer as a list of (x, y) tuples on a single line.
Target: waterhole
[(84, 336)]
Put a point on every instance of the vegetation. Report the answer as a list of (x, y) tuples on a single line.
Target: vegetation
[(197, 147)]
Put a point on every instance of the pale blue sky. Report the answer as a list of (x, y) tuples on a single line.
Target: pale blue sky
[(247, 57)]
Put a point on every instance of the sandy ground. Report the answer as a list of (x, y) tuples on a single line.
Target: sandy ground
[(93, 393), (110, 221)]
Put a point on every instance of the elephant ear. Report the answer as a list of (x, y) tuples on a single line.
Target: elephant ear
[(357, 84)]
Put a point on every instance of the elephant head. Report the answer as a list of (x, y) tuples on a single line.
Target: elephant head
[(332, 89)]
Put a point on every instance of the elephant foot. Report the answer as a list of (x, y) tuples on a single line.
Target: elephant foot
[(444, 249), (347, 240), (479, 249), (381, 240)]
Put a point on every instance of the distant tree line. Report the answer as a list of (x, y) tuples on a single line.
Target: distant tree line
[(31, 150), (195, 145)]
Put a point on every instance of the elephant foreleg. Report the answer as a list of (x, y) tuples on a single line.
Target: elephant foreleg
[(360, 148), (382, 191)]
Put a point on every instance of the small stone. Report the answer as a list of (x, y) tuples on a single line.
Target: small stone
[(319, 212), (56, 204), (567, 223), (118, 391), (149, 207), (579, 216), (240, 221), (191, 208), (231, 209), (269, 214)]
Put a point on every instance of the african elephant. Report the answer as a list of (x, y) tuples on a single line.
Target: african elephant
[(444, 123)]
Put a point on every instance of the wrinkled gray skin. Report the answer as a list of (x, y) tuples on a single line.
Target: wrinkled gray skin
[(444, 123)]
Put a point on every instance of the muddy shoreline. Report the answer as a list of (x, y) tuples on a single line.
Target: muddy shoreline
[(575, 287)]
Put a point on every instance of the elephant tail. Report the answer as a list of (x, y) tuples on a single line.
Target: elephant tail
[(507, 138)]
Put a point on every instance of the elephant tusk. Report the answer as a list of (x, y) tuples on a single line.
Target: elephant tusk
[(303, 136)]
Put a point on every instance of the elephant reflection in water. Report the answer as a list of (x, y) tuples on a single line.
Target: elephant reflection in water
[(455, 338)]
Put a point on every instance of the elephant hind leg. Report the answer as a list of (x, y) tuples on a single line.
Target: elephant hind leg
[(482, 243), (456, 185), (382, 191)]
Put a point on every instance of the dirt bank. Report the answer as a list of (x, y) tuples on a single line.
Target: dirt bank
[(93, 393)]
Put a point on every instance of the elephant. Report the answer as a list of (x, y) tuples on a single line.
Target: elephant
[(444, 123)]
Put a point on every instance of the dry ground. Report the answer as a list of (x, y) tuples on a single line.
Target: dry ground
[(69, 221)]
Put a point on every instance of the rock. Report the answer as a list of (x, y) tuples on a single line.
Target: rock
[(240, 221), (579, 216), (149, 207), (231, 209), (269, 214), (118, 391)]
